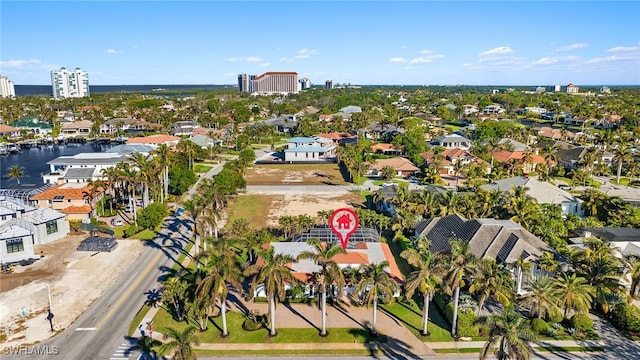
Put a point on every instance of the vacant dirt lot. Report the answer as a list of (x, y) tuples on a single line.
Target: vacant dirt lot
[(295, 174), (74, 279)]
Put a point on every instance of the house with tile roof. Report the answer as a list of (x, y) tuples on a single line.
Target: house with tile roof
[(450, 157), (452, 141), (543, 192), (76, 128), (385, 149), (70, 198), (518, 158), (339, 138), (9, 131), (362, 253), (401, 166), (23, 226), (310, 149), (156, 140), (503, 240)]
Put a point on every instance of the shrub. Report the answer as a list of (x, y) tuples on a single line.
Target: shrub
[(625, 318), (581, 322), (555, 318), (540, 326), (131, 230), (153, 215), (466, 324)]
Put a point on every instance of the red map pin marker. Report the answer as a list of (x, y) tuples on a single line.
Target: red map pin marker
[(343, 222)]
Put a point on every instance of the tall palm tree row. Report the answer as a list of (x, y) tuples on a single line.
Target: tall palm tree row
[(511, 334), (459, 266), (374, 285)]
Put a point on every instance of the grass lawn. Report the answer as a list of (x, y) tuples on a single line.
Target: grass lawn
[(457, 351), (253, 208), (163, 320), (411, 316), (145, 234), (295, 174), (201, 169), (289, 352)]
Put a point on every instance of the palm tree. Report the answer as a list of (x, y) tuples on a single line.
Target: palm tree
[(573, 293), (174, 293), (512, 334), (224, 270), (162, 158), (180, 343), (622, 155), (633, 263), (194, 207), (460, 265), (541, 298), (146, 345), (90, 194), (273, 274), (425, 277), (15, 172), (376, 283), (489, 279), (329, 274)]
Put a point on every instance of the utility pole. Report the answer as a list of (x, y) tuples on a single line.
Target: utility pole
[(49, 313)]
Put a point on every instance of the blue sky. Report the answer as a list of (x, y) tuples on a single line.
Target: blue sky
[(357, 42)]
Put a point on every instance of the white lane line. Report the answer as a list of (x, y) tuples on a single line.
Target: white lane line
[(86, 329)]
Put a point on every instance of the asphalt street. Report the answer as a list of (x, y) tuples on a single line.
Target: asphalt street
[(101, 332)]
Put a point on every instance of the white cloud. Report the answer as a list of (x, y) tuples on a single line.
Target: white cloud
[(624, 49), (497, 51), (425, 51), (253, 59), (306, 53), (111, 51), (285, 59), (420, 60), (556, 60), (467, 65), (27, 64), (397, 60), (572, 47), (235, 59), (265, 64)]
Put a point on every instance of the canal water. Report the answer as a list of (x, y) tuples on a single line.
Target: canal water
[(34, 161)]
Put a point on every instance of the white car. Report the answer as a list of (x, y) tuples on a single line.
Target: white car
[(129, 208), (116, 222)]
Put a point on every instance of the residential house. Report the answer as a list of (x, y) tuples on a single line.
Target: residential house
[(556, 134), (284, 123), (518, 159), (23, 226), (339, 138), (626, 240), (183, 128), (34, 126), (156, 140), (9, 131), (450, 157), (76, 128), (142, 126), (81, 167), (309, 149), (572, 158), (470, 109), (385, 149), (115, 125), (513, 145), (493, 109), (402, 167), (70, 199), (359, 253), (543, 192), (351, 109), (452, 141), (606, 122), (205, 142), (382, 131)]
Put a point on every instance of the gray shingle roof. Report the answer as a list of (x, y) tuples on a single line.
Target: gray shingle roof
[(80, 173)]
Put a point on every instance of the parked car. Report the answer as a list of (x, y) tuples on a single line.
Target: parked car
[(129, 208), (117, 222), (564, 187)]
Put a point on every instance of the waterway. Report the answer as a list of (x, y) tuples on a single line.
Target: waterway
[(34, 161)]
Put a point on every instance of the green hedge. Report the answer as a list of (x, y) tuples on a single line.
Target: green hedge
[(540, 326), (581, 322), (466, 319), (624, 317)]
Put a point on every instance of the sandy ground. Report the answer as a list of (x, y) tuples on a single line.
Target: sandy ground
[(299, 204), (74, 278)]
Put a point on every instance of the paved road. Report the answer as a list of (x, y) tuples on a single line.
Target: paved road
[(100, 333)]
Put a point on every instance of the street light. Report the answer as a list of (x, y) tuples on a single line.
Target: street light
[(49, 317)]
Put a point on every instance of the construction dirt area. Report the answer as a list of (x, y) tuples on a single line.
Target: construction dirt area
[(72, 279)]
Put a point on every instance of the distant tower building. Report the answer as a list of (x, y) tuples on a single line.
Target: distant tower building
[(69, 84), (305, 83), (557, 88), (572, 89), (7, 89), (276, 82), (605, 90), (540, 89), (243, 83), (328, 84)]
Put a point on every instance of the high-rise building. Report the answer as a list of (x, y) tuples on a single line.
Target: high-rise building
[(572, 89), (69, 84), (276, 82), (328, 84), (305, 83), (6, 88)]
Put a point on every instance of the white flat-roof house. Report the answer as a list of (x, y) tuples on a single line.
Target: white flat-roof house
[(80, 167), (306, 149), (453, 141), (23, 226)]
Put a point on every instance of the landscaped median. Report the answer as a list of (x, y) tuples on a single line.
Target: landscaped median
[(450, 347)]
